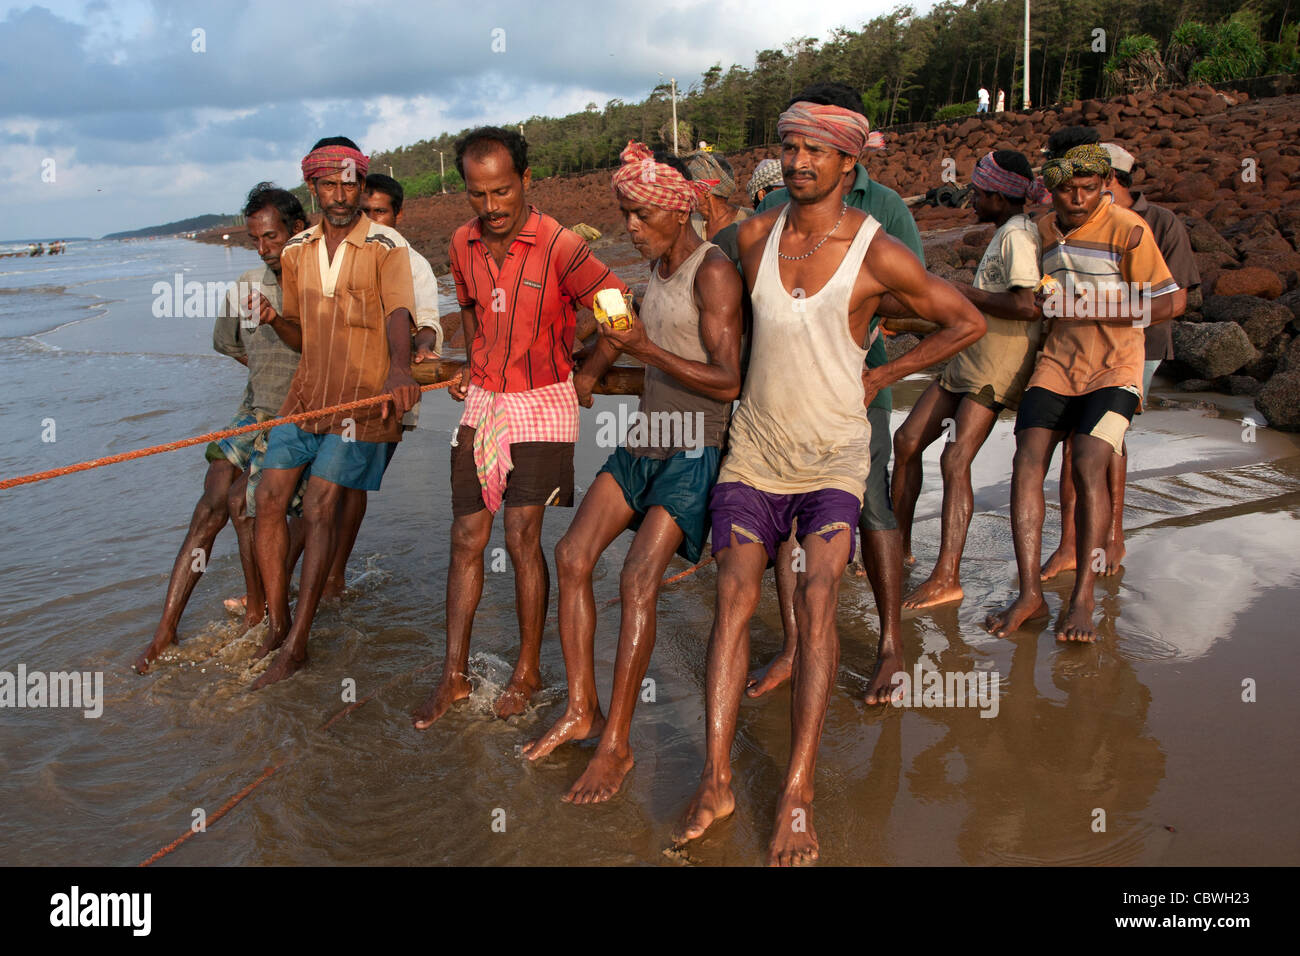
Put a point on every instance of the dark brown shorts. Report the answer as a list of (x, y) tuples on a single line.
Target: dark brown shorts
[(542, 474)]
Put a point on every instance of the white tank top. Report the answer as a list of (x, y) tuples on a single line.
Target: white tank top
[(801, 424)]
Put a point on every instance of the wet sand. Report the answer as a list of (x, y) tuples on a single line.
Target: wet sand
[(1147, 725)]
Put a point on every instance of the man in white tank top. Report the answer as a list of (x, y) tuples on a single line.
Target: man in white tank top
[(817, 271), (658, 483)]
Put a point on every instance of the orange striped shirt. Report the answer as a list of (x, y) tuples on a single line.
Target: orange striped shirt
[(343, 306)]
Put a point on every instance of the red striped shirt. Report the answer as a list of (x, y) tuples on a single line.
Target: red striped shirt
[(525, 310)]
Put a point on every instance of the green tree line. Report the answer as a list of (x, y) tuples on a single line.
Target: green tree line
[(912, 67)]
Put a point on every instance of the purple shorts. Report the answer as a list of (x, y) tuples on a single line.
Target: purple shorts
[(766, 519)]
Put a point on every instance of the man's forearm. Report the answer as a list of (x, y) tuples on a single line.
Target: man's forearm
[(600, 360), (1015, 306), (290, 334), (708, 379), (399, 340)]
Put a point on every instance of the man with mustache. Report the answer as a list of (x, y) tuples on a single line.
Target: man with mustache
[(348, 297), (519, 275), (798, 447)]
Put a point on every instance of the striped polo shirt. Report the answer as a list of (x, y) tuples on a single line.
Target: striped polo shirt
[(1080, 355), (525, 312)]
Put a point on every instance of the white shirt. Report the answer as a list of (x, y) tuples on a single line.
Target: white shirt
[(984, 96)]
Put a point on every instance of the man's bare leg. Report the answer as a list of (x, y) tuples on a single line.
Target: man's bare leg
[(740, 578), (777, 671), (922, 428), (206, 522), (643, 573), (602, 517), (271, 546), (1092, 461), (1116, 479), (882, 555), (794, 840), (469, 537), (320, 513), (532, 598), (1034, 447), (254, 596), (352, 510), (1062, 558), (972, 425)]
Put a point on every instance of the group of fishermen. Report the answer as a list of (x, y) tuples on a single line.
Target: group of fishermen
[(780, 308)]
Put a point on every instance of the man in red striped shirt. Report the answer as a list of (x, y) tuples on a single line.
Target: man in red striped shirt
[(518, 276)]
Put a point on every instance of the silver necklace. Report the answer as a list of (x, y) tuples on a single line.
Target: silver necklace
[(844, 209)]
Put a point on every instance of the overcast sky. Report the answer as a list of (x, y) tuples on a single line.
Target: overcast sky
[(142, 129)]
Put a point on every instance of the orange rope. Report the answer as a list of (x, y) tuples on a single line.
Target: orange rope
[(225, 808), (203, 439)]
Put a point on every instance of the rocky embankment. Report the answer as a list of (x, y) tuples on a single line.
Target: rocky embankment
[(1228, 165)]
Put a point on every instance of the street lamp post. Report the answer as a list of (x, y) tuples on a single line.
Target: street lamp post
[(442, 173), (673, 81), (1026, 93)]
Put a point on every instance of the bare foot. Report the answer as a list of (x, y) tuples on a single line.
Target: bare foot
[(794, 841), (1076, 625), (712, 801), (572, 725), (882, 689), (285, 665), (150, 654), (514, 699), (252, 617), (909, 558), (332, 591), (270, 643), (451, 688), (776, 673), (1115, 552), (1062, 560), (934, 591), (602, 778), (236, 606), (1011, 619)]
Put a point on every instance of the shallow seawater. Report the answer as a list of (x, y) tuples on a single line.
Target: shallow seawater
[(1148, 726)]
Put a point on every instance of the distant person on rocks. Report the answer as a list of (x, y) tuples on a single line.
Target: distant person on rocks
[(1002, 100), (716, 211), (1175, 246), (270, 351), (519, 275), (766, 177), (983, 101)]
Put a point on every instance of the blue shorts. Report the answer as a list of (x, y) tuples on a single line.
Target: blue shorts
[(680, 485), (350, 464)]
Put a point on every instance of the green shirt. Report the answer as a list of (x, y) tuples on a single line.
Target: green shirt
[(888, 208)]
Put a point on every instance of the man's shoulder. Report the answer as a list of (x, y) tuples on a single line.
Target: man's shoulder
[(386, 236), (297, 241), (260, 275)]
